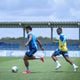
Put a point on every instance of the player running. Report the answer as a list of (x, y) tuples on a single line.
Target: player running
[(33, 47), (63, 50)]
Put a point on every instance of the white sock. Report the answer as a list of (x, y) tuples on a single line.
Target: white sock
[(73, 65), (57, 62)]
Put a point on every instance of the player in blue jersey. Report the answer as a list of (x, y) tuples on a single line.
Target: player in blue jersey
[(33, 47), (62, 50)]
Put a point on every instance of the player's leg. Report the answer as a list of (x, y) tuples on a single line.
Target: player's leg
[(26, 62), (40, 56), (66, 57), (28, 56), (57, 52)]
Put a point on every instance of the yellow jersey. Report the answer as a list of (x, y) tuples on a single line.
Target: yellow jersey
[(62, 43)]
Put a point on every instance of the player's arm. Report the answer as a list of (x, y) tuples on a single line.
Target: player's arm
[(40, 45), (30, 38)]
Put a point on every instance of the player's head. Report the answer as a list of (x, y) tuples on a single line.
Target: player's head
[(59, 30), (28, 28)]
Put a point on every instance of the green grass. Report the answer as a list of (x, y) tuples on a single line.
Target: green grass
[(40, 71)]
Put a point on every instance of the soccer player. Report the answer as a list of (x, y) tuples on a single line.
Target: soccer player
[(62, 50), (33, 47)]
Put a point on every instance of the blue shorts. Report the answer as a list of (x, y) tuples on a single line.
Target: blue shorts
[(31, 52), (59, 52)]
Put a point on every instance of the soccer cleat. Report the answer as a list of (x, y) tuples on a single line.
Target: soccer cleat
[(27, 72), (58, 66), (75, 68), (42, 59)]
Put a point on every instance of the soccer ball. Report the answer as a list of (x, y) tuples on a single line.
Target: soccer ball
[(14, 69)]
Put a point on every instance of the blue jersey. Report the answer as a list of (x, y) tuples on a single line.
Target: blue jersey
[(33, 42)]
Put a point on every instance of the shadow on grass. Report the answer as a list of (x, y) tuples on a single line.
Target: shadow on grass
[(55, 72), (65, 71)]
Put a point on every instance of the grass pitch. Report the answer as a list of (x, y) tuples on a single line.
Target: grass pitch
[(40, 71)]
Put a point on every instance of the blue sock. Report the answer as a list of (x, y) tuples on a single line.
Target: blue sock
[(27, 67)]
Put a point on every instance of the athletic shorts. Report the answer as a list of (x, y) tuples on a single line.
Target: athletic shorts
[(59, 52), (31, 52)]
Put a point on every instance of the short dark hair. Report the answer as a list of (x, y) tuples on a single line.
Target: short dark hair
[(59, 30), (29, 27)]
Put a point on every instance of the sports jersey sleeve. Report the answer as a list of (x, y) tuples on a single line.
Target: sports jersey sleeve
[(63, 38)]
